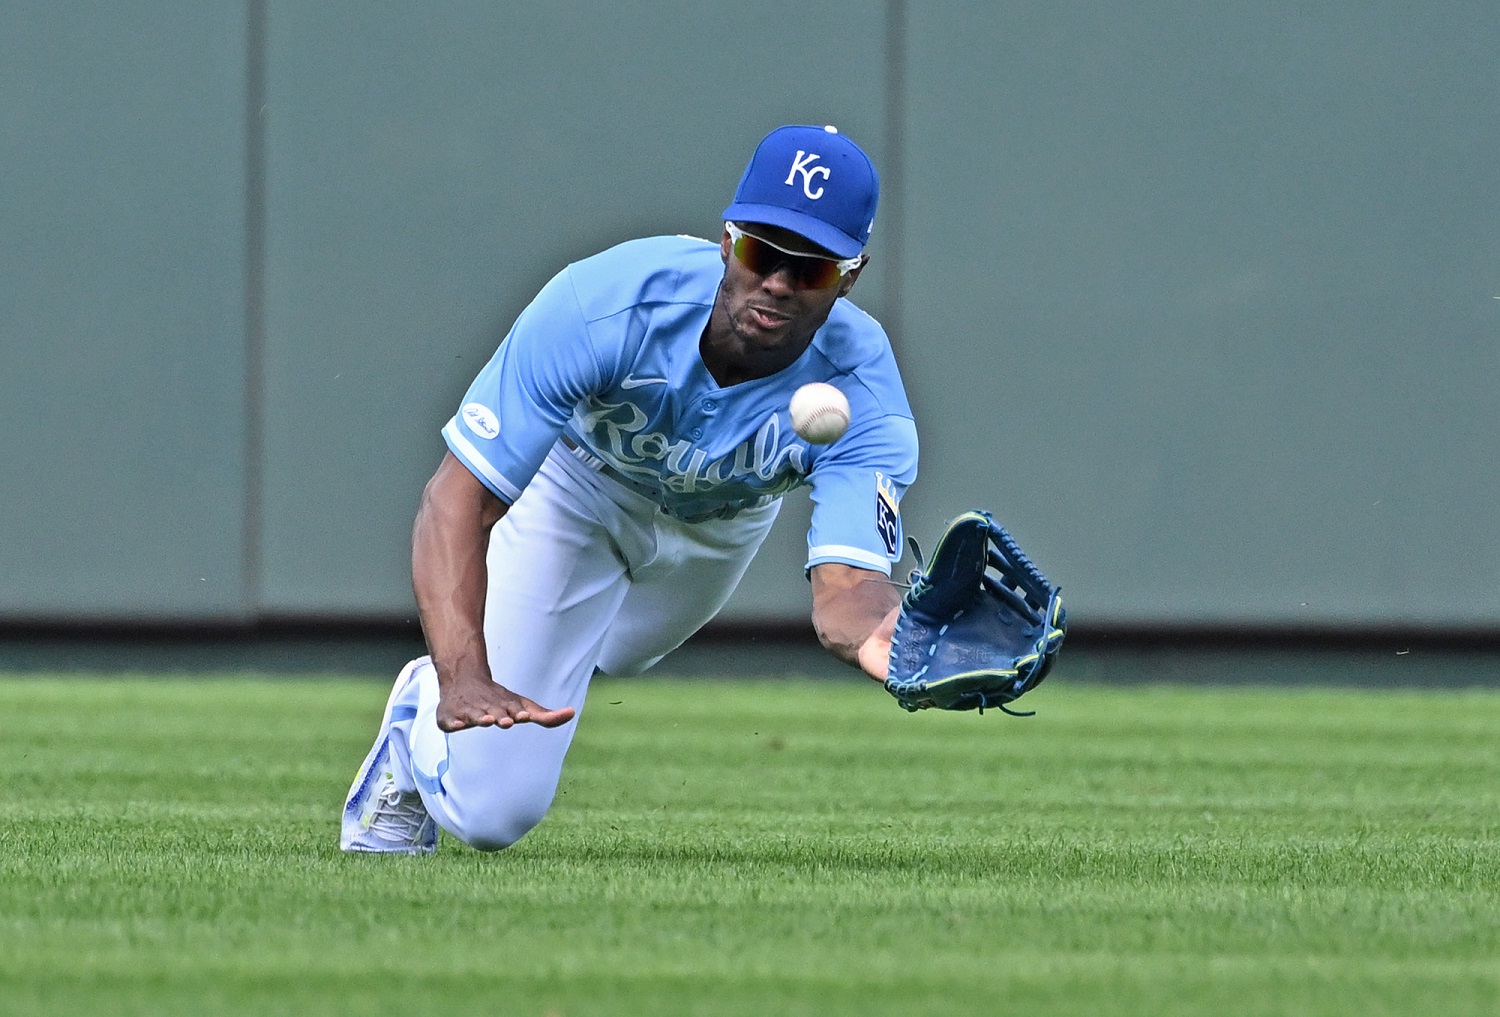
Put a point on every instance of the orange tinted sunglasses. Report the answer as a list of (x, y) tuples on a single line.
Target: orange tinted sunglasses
[(808, 271)]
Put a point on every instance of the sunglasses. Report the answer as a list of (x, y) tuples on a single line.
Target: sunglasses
[(808, 271)]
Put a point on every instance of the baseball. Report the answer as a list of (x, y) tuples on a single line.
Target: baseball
[(820, 413)]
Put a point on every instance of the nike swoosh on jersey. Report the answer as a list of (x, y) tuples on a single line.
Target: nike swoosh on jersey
[(642, 382)]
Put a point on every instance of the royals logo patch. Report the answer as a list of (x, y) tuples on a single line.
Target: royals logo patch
[(887, 514)]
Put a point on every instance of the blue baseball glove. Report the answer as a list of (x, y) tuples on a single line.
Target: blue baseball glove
[(980, 625)]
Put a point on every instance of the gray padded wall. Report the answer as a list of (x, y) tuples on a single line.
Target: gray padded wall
[(1200, 299), (122, 285), (1230, 272)]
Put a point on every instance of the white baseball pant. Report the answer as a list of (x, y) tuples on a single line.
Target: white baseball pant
[(585, 574)]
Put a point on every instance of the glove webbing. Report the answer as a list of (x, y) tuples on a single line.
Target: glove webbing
[(1018, 557), (1037, 587)]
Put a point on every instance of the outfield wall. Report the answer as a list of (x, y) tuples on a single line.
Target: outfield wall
[(1200, 299)]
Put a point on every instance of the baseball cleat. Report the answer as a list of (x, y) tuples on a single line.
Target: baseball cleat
[(378, 817)]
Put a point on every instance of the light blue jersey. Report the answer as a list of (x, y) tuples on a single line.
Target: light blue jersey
[(606, 358)]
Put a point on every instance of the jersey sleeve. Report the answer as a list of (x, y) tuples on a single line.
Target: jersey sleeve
[(516, 407), (856, 495)]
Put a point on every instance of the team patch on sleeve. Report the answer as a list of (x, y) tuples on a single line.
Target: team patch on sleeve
[(887, 514)]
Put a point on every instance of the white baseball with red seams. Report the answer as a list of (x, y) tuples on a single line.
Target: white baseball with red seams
[(820, 413)]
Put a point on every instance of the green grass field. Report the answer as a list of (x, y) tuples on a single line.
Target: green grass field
[(765, 848)]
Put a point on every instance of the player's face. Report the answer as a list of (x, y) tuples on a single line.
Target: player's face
[(773, 298)]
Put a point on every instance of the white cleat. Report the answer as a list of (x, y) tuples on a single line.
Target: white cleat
[(377, 817)]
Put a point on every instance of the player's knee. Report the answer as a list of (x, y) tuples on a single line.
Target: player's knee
[(496, 829), (496, 820), (618, 665)]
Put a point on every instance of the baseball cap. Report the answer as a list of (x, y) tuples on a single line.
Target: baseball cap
[(813, 181)]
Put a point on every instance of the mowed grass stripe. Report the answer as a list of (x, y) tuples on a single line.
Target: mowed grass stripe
[(168, 846)]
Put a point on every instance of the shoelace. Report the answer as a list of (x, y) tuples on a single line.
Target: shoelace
[(399, 816)]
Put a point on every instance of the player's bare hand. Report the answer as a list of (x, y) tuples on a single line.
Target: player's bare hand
[(479, 702), (875, 652)]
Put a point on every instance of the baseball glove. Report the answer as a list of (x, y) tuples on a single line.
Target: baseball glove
[(980, 625)]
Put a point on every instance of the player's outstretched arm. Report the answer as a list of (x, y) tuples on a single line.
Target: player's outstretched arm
[(854, 614), (449, 576)]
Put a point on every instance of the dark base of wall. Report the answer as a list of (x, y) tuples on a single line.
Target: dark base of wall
[(300, 647), (1112, 654)]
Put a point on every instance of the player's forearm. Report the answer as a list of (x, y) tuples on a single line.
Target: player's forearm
[(450, 539), (852, 607), (449, 579)]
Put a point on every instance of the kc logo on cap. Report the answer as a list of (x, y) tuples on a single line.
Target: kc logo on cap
[(813, 181), (801, 165)]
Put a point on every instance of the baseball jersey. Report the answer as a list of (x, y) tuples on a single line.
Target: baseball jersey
[(606, 358)]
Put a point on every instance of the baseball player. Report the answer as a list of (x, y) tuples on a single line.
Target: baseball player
[(610, 474)]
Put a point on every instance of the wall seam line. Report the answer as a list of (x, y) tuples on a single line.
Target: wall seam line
[(255, 282)]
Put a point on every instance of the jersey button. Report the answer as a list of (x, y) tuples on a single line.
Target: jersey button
[(696, 433), (709, 406)]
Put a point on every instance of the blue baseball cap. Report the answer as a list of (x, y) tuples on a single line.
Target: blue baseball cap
[(812, 181)]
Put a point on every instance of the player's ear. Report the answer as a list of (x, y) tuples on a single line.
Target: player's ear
[(726, 245), (847, 283)]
